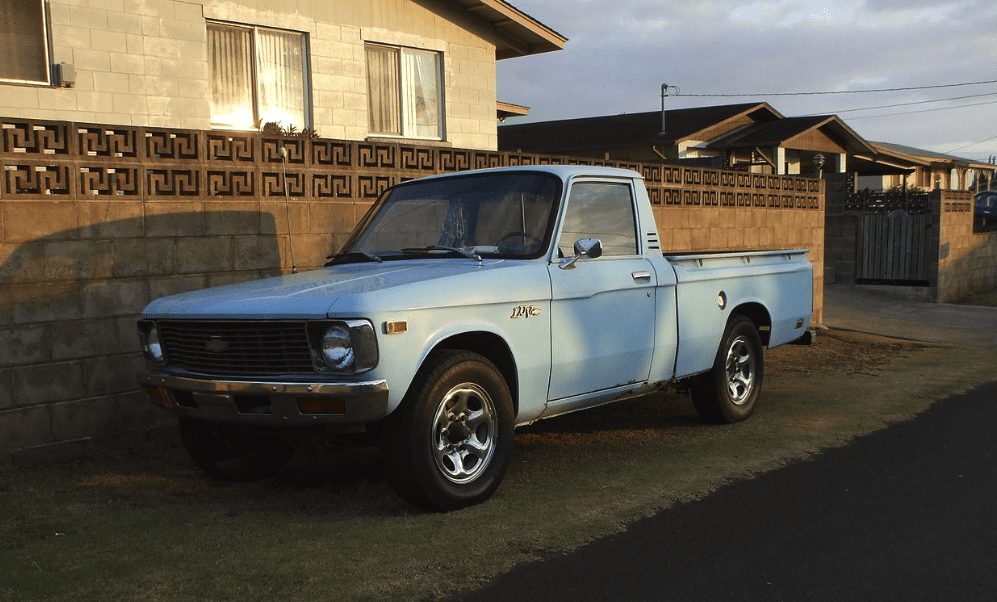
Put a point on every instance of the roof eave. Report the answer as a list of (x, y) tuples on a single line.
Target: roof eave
[(506, 110), (851, 135), (518, 33), (697, 135)]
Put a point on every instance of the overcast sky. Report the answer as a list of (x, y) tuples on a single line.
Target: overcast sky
[(619, 52)]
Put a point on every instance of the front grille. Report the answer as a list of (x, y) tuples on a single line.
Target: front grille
[(237, 348)]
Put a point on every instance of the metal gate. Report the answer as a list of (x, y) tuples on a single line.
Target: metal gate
[(893, 248)]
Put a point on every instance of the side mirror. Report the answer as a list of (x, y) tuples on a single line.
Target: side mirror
[(585, 247)]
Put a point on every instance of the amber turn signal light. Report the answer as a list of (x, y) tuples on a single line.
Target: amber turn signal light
[(159, 395)]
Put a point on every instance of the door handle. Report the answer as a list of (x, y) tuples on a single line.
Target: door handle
[(641, 276)]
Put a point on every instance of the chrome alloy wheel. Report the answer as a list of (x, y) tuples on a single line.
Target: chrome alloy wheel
[(740, 370), (464, 433)]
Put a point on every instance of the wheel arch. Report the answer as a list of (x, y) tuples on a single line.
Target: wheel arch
[(489, 345), (757, 313)]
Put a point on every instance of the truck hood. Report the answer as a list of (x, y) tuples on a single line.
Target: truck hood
[(362, 288)]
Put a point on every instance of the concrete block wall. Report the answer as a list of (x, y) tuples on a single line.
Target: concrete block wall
[(75, 281), (145, 63), (136, 63), (97, 222), (732, 211), (840, 253), (704, 229), (967, 260)]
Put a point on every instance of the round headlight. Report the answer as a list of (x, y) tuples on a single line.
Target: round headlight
[(337, 347), (153, 347)]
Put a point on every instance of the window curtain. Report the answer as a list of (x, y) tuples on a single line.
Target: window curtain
[(230, 52), (281, 78), (23, 41), (383, 90), (420, 74)]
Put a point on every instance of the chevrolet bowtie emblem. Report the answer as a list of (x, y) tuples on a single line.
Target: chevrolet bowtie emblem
[(216, 345)]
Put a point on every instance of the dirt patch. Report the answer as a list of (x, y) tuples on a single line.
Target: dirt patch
[(653, 417), (841, 352)]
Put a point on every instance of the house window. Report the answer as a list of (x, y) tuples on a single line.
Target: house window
[(258, 76), (405, 91), (23, 41)]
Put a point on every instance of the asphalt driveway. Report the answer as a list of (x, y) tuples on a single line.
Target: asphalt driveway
[(889, 312)]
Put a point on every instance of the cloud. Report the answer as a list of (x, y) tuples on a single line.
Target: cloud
[(787, 13), (621, 51)]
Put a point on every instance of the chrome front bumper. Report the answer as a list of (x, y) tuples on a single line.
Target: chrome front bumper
[(279, 404)]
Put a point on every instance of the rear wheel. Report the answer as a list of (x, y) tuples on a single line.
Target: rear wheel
[(229, 454), (729, 391), (448, 444)]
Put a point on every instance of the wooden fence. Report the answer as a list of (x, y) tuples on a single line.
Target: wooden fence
[(894, 248), (894, 235)]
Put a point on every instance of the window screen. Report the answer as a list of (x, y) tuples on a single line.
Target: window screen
[(23, 41), (258, 76), (405, 92)]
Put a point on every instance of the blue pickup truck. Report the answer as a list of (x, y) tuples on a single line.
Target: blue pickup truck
[(462, 306)]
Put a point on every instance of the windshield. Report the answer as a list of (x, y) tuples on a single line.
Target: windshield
[(508, 214)]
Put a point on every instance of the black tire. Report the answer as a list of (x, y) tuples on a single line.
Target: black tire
[(729, 392), (230, 455), (447, 445)]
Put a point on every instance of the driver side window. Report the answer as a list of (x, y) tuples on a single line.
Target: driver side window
[(599, 210)]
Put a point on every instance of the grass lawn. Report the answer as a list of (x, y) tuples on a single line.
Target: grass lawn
[(151, 527)]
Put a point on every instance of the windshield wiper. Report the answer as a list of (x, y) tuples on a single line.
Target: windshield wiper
[(428, 249), (351, 257)]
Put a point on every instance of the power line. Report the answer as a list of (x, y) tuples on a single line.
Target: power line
[(918, 102), (975, 104), (921, 102), (879, 90), (973, 144), (980, 83)]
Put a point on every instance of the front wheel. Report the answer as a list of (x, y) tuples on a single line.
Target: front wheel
[(448, 444), (729, 391)]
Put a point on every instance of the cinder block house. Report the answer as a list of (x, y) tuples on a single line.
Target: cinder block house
[(347, 69), (132, 167)]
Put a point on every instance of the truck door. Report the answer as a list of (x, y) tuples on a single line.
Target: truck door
[(602, 310)]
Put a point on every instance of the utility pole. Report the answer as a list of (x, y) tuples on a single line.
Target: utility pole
[(666, 90)]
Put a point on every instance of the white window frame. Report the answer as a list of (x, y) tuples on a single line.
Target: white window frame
[(257, 115), (407, 101), (45, 40)]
